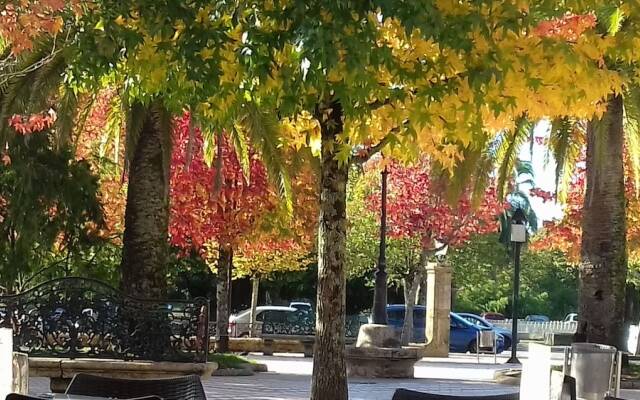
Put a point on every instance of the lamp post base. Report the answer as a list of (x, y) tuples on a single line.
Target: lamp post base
[(513, 360)]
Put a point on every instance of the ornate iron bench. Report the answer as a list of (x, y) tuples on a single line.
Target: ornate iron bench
[(67, 325)]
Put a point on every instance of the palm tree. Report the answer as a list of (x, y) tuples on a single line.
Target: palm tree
[(603, 265), (37, 82), (148, 149)]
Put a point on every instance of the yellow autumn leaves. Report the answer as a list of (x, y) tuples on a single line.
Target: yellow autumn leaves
[(451, 91)]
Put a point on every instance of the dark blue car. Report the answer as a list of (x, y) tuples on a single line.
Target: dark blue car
[(478, 320), (462, 336)]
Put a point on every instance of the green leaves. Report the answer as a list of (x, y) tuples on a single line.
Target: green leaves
[(566, 142), (263, 131), (49, 210), (509, 145), (483, 272), (612, 18), (632, 132)]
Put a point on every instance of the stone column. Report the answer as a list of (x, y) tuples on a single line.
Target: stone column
[(438, 308), (20, 373)]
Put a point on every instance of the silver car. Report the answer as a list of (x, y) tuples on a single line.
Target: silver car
[(240, 323)]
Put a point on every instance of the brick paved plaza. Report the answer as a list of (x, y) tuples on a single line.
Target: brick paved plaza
[(291, 376)]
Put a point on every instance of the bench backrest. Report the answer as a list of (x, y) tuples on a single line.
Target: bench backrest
[(77, 317)]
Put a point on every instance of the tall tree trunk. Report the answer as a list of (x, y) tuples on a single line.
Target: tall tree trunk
[(144, 253), (410, 287), (255, 287), (418, 296), (603, 267), (225, 261), (329, 380)]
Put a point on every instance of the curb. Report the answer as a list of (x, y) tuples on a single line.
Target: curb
[(232, 372)]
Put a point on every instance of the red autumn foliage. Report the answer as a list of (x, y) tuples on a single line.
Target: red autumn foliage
[(112, 188), (34, 123), (22, 22), (542, 194), (417, 208), (569, 27), (199, 214), (566, 234)]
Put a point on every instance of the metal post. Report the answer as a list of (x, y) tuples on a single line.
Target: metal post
[(379, 312), (514, 311), (478, 346), (495, 348)]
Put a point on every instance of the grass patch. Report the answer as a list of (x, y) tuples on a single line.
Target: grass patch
[(631, 371), (226, 361)]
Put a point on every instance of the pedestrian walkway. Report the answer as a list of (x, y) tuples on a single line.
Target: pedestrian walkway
[(290, 379), (273, 386)]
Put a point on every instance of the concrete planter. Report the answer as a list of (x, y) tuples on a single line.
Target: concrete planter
[(377, 362)]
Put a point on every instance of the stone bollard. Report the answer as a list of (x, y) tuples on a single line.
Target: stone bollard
[(20, 373)]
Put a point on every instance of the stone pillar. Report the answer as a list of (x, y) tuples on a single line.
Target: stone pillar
[(20, 373), (438, 308)]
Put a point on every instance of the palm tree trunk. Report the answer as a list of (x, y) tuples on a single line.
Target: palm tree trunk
[(225, 261), (603, 267), (329, 380), (144, 254)]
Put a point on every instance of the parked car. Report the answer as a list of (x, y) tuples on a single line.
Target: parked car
[(479, 321), (272, 316), (302, 306), (492, 316), (571, 317), (462, 334), (536, 318)]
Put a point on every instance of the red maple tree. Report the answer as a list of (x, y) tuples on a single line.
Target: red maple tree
[(417, 208), (22, 22), (200, 214), (565, 234)]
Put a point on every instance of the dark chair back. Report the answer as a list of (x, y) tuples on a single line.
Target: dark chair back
[(16, 396), (182, 388), (404, 394)]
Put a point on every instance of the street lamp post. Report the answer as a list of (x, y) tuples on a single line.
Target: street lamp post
[(379, 312), (518, 238)]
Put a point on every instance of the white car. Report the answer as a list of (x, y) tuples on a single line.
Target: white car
[(239, 324), (571, 317), (302, 306)]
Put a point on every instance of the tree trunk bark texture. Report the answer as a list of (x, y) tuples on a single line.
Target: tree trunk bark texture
[(255, 286), (144, 254), (603, 267), (411, 287), (223, 289), (329, 380)]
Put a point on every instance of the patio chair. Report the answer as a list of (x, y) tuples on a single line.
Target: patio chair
[(182, 388), (404, 394), (16, 396)]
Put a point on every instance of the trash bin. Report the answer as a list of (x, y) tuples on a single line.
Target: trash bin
[(592, 367)]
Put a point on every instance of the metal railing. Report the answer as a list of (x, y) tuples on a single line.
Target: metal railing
[(296, 328), (539, 329), (77, 317)]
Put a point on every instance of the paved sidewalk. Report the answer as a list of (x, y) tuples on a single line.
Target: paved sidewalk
[(290, 379)]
